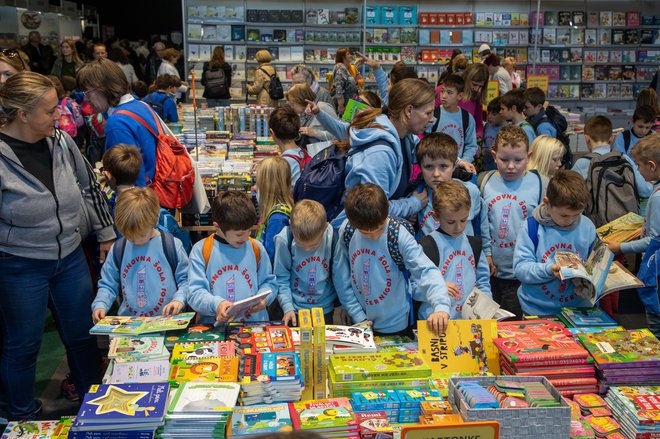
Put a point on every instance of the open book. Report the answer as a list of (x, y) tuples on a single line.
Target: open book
[(479, 306), (622, 229), (598, 276), (141, 325), (239, 308)]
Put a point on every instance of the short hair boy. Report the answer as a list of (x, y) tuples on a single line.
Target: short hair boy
[(161, 99), (284, 126), (533, 109), (642, 122), (455, 121), (303, 257), (458, 256), (494, 122), (138, 266), (229, 265), (510, 193), (369, 280), (121, 166), (512, 104), (556, 224)]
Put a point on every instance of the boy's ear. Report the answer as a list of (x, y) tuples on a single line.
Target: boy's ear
[(216, 225), (653, 166), (493, 153), (434, 215), (546, 201), (611, 139)]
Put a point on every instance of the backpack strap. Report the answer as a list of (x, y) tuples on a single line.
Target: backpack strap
[(298, 159), (533, 231), (266, 72), (349, 231), (437, 112), (207, 249), (256, 250), (485, 179), (169, 248), (465, 120), (430, 248), (393, 243), (627, 138), (143, 122), (119, 250), (476, 244), (534, 171)]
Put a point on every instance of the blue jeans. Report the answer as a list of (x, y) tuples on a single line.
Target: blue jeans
[(27, 287)]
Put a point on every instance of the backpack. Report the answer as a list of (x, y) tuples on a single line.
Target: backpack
[(94, 120), (66, 122), (302, 161), (432, 251), (216, 84), (169, 248), (174, 175), (167, 223), (207, 249), (627, 139), (76, 112), (465, 121), (280, 208), (155, 105), (557, 120), (612, 188), (275, 89)]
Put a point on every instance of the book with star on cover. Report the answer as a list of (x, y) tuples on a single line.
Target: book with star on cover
[(134, 403)]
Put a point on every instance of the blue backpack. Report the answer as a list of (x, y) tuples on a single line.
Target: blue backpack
[(156, 105)]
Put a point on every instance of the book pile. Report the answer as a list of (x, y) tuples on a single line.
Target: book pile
[(204, 361), (333, 417), (348, 340), (121, 410), (259, 419), (270, 377), (137, 360), (395, 343), (199, 410), (637, 410), (31, 430), (593, 317), (398, 405), (624, 357), (545, 348)]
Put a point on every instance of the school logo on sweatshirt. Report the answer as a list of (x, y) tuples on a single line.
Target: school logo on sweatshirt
[(233, 276), (137, 271), (453, 130), (305, 283), (506, 222), (367, 267)]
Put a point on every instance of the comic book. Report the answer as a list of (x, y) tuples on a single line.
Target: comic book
[(356, 367), (623, 349), (141, 325), (623, 229)]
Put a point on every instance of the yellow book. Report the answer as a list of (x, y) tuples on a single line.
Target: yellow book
[(623, 229), (320, 362), (306, 352)]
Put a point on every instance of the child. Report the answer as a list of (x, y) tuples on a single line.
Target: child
[(545, 156), (275, 200), (556, 224), (71, 119), (455, 121), (646, 154), (510, 193), (162, 100), (303, 257), (148, 267), (458, 256), (642, 122), (370, 282), (229, 265), (534, 101), (512, 104), (495, 122), (121, 169), (284, 126)]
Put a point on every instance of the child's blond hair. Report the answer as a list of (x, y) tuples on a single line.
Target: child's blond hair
[(308, 220), (273, 184), (451, 196), (136, 212), (542, 150), (647, 149), (511, 135)]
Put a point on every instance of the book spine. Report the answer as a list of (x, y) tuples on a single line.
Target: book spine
[(306, 353), (546, 358), (320, 362), (295, 419)]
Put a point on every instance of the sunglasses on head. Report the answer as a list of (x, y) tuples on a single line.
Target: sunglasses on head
[(12, 53)]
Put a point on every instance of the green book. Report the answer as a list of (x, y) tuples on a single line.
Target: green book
[(352, 109), (360, 367)]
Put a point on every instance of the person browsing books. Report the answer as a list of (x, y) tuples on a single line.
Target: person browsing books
[(511, 108)]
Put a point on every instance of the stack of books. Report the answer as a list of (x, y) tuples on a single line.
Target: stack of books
[(545, 348), (348, 340), (211, 362), (624, 357), (270, 377), (195, 333), (593, 317), (636, 409), (133, 360), (260, 419), (199, 410), (333, 417), (400, 406)]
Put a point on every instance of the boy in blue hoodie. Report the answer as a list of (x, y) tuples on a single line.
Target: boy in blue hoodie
[(284, 126), (370, 282), (303, 261), (559, 225), (642, 122), (511, 193), (121, 169), (534, 102), (162, 100), (151, 282), (495, 122), (459, 257), (512, 104), (230, 265)]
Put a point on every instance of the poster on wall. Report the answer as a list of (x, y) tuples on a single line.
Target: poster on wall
[(47, 24)]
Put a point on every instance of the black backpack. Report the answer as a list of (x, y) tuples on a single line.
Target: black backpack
[(275, 89), (216, 84), (157, 106), (432, 251), (557, 120)]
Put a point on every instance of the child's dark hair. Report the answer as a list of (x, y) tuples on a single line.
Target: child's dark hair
[(568, 189), (495, 106), (598, 128), (140, 89), (68, 82), (492, 60), (535, 96), (513, 98), (454, 81), (511, 135), (401, 71), (437, 146), (233, 210), (58, 86), (123, 162), (366, 206), (645, 113), (163, 82), (372, 99), (285, 123)]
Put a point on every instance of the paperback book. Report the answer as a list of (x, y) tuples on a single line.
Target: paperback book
[(478, 306), (623, 229), (323, 415), (137, 348)]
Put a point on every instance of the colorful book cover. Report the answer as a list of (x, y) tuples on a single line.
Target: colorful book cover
[(252, 340), (330, 414), (152, 371), (374, 400), (124, 403), (374, 425), (141, 325), (212, 370), (194, 351), (356, 367), (465, 347), (191, 398), (588, 317), (640, 403), (132, 347), (257, 419), (632, 348), (280, 367), (30, 430), (538, 341), (623, 229), (352, 108)]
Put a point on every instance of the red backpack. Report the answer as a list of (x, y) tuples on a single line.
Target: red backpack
[(174, 175)]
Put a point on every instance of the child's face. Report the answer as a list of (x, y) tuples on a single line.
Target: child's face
[(235, 238), (144, 237), (563, 216), (311, 245), (511, 162), (435, 171), (648, 169), (507, 113), (375, 234), (495, 118), (555, 163), (531, 110), (449, 97), (452, 222), (641, 128)]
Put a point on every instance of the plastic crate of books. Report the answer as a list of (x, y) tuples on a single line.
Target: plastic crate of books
[(517, 423)]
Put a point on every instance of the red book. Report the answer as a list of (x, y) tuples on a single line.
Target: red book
[(468, 18), (537, 341), (433, 18), (522, 327), (424, 18)]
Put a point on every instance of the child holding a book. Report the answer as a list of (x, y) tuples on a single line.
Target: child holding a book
[(373, 255), (284, 126), (303, 261), (512, 104), (148, 267), (459, 257), (556, 224), (230, 265)]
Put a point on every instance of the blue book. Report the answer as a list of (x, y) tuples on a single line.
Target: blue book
[(407, 15), (372, 14), (135, 434), (281, 366), (257, 419), (593, 316), (412, 398), (374, 400), (133, 403)]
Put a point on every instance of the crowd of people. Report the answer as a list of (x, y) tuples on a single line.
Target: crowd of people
[(405, 232)]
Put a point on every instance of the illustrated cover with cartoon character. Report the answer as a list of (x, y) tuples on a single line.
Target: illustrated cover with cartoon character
[(383, 365), (623, 349), (323, 415)]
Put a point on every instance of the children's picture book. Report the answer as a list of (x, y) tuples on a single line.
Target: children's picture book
[(628, 349), (478, 306), (30, 430), (593, 316), (194, 350), (375, 400), (152, 371), (538, 341), (132, 347), (210, 370), (239, 308), (623, 229), (323, 415), (378, 366), (264, 339), (360, 338), (374, 425), (141, 325), (136, 403), (203, 398), (466, 346), (256, 419), (641, 403), (195, 333)]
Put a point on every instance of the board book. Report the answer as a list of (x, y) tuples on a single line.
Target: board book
[(255, 419), (199, 398), (195, 333), (124, 403), (323, 415), (131, 347), (141, 325), (623, 349), (350, 367), (218, 369), (264, 339)]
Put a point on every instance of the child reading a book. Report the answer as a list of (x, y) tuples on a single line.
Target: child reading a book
[(148, 267), (642, 122), (303, 258), (510, 193), (556, 224), (512, 104), (458, 256), (372, 258), (495, 122), (229, 265), (284, 126)]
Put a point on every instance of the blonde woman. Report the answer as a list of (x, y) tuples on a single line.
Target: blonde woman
[(545, 155), (297, 97), (262, 80), (275, 200), (68, 63), (510, 66)]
